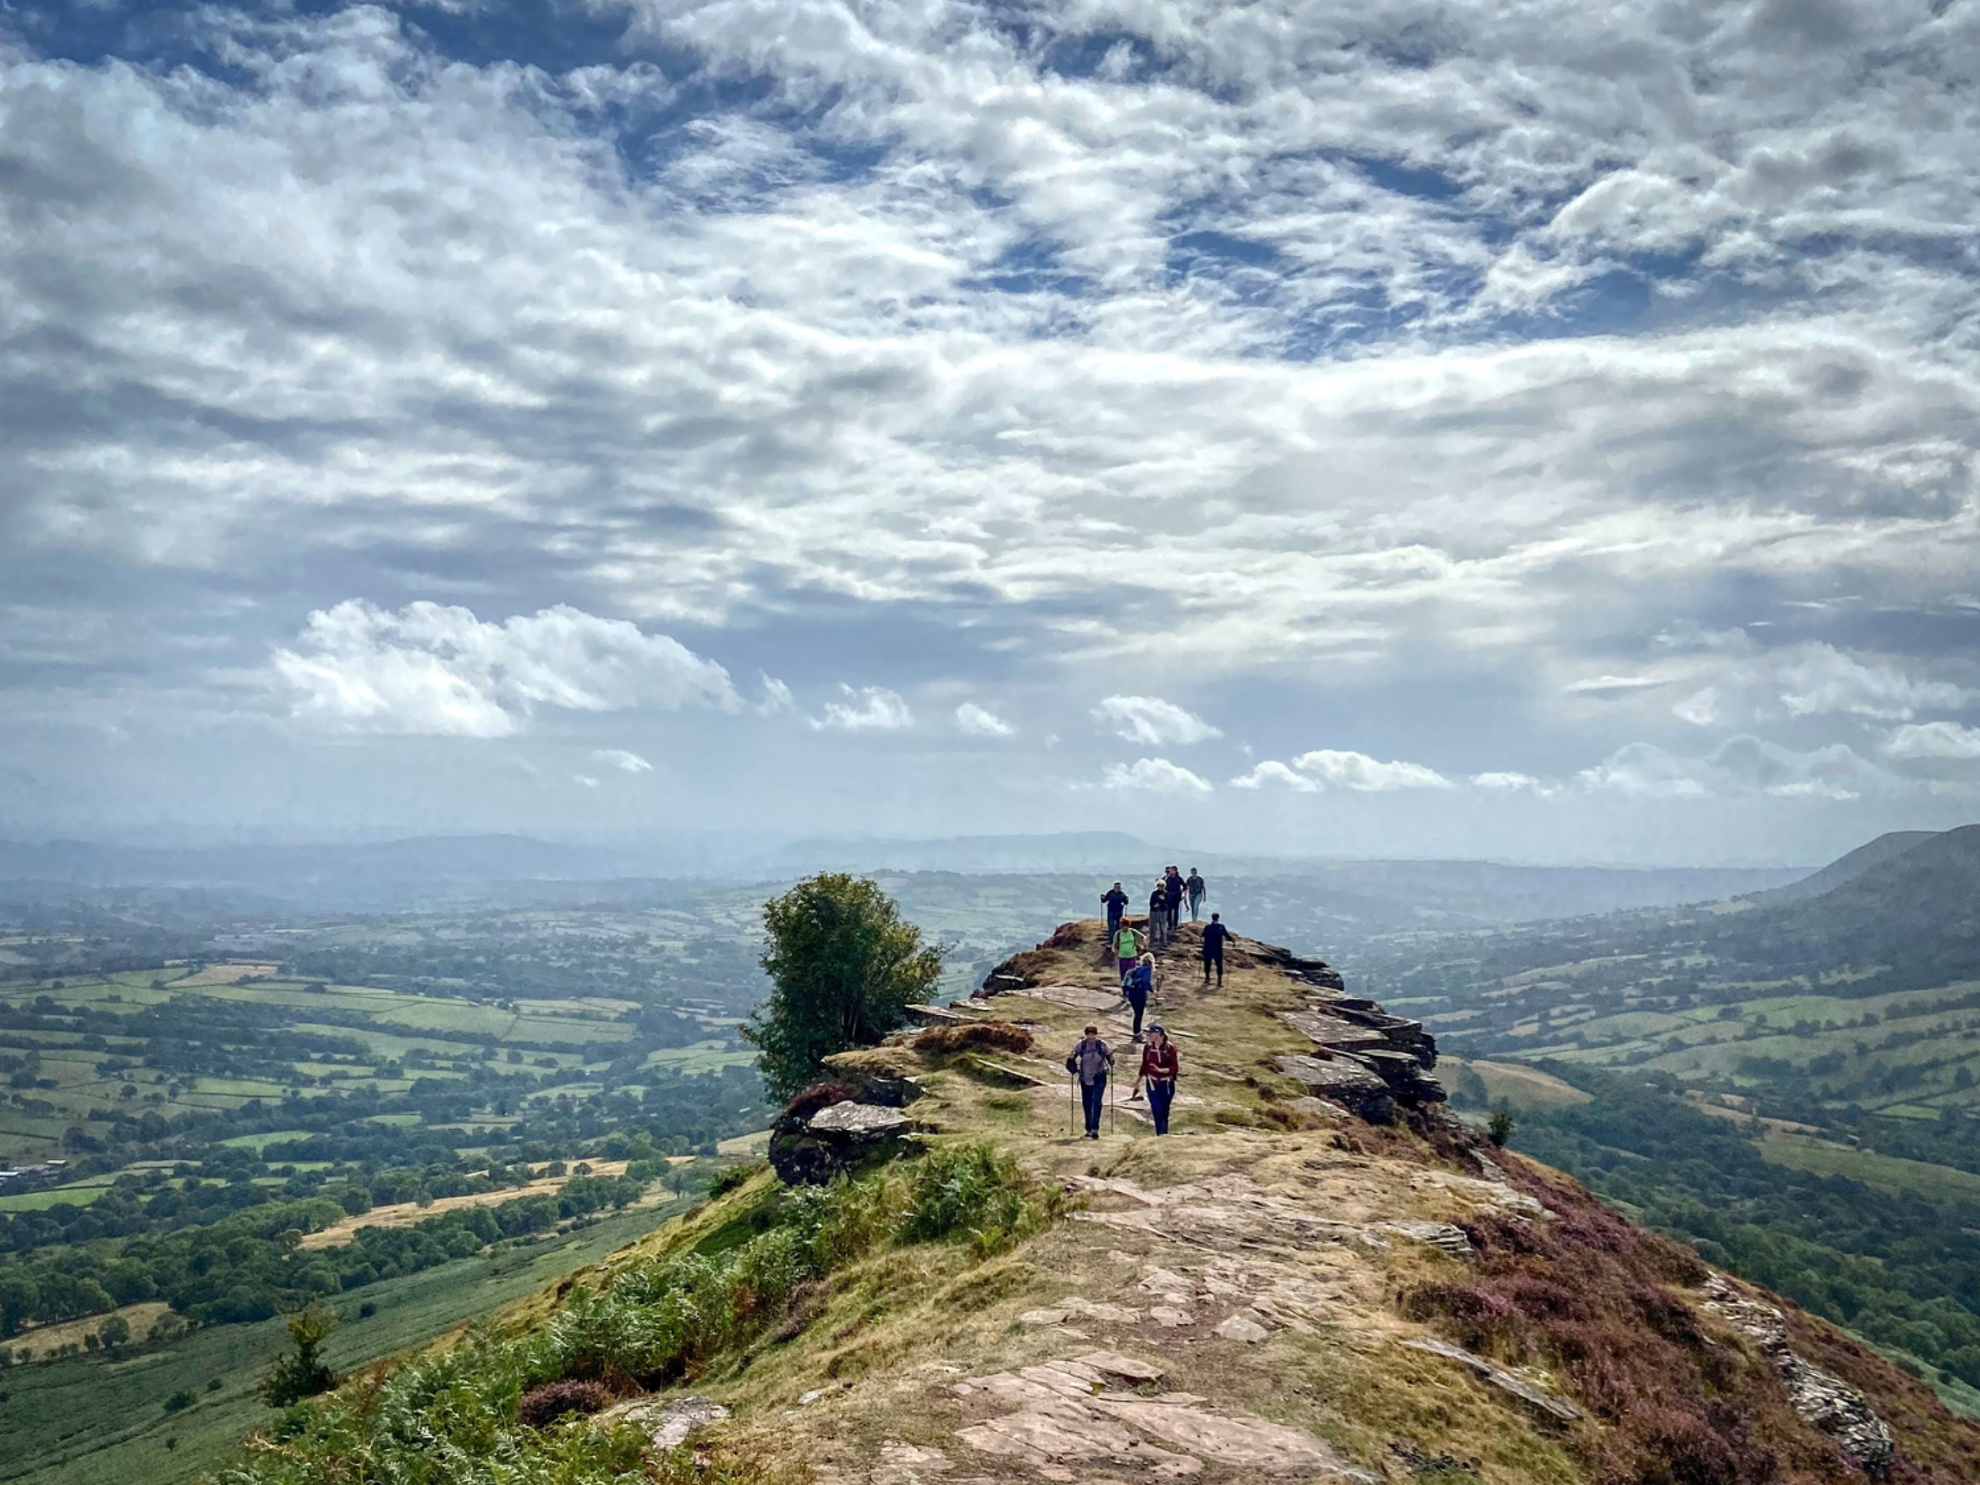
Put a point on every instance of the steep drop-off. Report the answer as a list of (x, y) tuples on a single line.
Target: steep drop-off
[(1281, 1289)]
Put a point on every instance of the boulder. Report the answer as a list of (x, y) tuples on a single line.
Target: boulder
[(824, 1132)]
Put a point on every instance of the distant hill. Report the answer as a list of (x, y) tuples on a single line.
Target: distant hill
[(1847, 868), (1924, 898), (1308, 900)]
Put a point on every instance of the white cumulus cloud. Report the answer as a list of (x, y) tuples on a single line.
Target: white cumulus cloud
[(1149, 719), (1273, 772), (1934, 740), (1329, 768), (1820, 678), (1156, 775), (1511, 783), (1360, 772), (436, 669), (1645, 771), (978, 722), (868, 709)]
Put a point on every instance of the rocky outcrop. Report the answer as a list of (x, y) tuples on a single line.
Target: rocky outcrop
[(1829, 1403), (833, 1127), (1527, 1392)]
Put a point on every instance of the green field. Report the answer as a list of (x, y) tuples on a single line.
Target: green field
[(105, 1073), (1884, 1172), (91, 1422)]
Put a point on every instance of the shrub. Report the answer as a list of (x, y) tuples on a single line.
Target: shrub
[(302, 1372), (732, 1177), (997, 1036), (545, 1405)]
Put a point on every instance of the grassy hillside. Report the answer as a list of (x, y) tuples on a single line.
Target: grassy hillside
[(1277, 1289), (93, 1421)]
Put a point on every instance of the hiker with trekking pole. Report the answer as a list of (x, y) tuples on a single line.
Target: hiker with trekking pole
[(1160, 1067), (1089, 1063)]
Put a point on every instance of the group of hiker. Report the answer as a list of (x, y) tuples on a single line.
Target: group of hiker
[(1165, 903), (1091, 1061)]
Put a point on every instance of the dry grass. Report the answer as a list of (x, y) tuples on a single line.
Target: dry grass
[(977, 1036), (407, 1213)]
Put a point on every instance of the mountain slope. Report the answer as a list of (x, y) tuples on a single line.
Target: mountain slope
[(1847, 868), (1280, 1290)]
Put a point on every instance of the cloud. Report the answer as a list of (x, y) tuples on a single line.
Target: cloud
[(1433, 375), (1360, 772), (1156, 775), (777, 698), (1646, 771), (1149, 719), (1512, 783), (1613, 685), (869, 709), (1933, 740), (1325, 768), (585, 780), (1272, 772), (1700, 709), (1743, 765), (620, 759), (1820, 678), (974, 720), (438, 670)]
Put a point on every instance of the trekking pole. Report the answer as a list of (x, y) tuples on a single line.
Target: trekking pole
[(1072, 1105)]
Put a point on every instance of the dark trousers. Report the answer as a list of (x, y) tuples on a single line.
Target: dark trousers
[(1113, 924), (1139, 1000), (1216, 959), (1161, 1093), (1094, 1097)]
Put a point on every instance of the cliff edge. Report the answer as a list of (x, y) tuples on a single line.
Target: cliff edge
[(1319, 1275)]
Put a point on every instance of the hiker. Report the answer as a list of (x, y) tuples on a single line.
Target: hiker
[(1089, 1061), (1128, 947), (1115, 901), (1214, 934), (1137, 985), (1172, 888), (1195, 887), (1160, 1067), (1158, 915)]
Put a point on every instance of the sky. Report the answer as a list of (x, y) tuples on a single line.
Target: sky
[(1540, 430)]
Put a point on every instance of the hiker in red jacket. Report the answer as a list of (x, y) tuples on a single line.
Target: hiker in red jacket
[(1160, 1067)]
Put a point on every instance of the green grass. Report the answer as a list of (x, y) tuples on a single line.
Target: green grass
[(1884, 1172), (90, 1422), (708, 1056), (41, 1201)]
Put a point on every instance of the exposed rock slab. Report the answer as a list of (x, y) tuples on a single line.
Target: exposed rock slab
[(1332, 1031), (1074, 997), (666, 1421), (1826, 1401), (1060, 1415), (1446, 1237), (859, 1120), (1499, 1377), (1354, 1087)]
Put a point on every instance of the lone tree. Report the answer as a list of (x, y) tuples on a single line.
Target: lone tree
[(843, 968), (302, 1372)]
